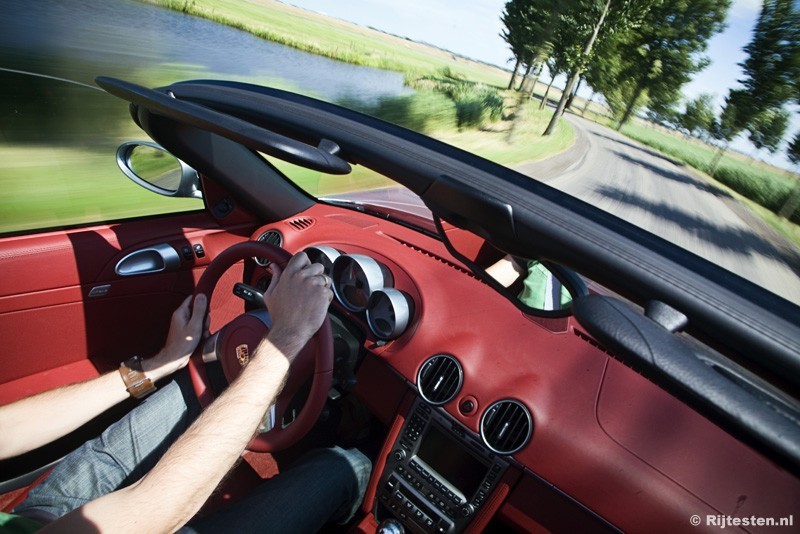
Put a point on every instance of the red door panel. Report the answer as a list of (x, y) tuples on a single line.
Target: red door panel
[(49, 321)]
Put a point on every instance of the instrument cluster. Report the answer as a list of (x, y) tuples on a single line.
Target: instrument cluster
[(362, 284)]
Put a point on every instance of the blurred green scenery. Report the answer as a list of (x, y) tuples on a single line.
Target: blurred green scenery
[(459, 101), (156, 167), (474, 96), (59, 138)]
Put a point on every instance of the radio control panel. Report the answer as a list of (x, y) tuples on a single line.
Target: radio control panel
[(438, 474)]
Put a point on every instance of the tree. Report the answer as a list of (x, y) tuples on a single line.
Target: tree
[(595, 19), (574, 93), (767, 128), (581, 27), (793, 200), (772, 67), (725, 128), (662, 53), (514, 19), (771, 76), (699, 115), (603, 75), (529, 27), (553, 67), (793, 150)]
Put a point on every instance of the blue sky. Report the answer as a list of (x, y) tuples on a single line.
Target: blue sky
[(472, 28)]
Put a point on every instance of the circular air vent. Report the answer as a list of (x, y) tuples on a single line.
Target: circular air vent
[(506, 426), (272, 237), (439, 379)]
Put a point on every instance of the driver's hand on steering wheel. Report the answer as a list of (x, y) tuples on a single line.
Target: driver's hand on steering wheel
[(188, 326), (297, 298)]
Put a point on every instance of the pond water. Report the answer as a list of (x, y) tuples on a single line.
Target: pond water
[(151, 45)]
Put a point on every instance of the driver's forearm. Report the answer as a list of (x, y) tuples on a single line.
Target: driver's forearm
[(35, 421), (191, 469)]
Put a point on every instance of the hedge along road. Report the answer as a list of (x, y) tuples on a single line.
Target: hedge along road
[(639, 185)]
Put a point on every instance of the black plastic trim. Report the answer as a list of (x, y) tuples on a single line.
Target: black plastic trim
[(671, 362)]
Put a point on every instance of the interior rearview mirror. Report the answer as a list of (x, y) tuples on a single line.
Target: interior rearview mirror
[(155, 169)]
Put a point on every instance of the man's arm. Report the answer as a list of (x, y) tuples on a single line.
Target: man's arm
[(45, 417), (175, 489)]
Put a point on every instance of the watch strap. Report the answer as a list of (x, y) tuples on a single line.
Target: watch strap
[(136, 382)]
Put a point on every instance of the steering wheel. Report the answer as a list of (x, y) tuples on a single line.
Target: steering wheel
[(236, 342)]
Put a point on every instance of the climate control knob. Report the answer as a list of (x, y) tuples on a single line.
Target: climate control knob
[(399, 455), (467, 510)]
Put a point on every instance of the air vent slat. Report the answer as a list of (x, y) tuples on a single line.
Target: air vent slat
[(301, 224), (506, 426), (439, 379)]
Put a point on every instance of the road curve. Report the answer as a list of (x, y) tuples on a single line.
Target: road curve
[(639, 185)]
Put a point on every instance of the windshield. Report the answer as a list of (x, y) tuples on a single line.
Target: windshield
[(362, 189), (672, 144)]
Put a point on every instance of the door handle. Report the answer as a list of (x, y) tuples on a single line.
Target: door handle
[(155, 259)]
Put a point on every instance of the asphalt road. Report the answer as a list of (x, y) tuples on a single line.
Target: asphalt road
[(639, 185)]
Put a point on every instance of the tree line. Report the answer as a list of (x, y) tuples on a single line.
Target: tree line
[(638, 54)]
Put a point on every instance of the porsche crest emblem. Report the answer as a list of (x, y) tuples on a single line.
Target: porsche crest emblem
[(243, 354)]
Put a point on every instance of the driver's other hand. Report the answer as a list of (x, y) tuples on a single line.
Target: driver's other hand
[(297, 298), (186, 329)]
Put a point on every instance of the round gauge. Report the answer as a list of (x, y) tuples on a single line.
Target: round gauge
[(388, 313), (355, 277), (323, 255)]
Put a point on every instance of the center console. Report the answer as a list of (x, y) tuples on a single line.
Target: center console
[(438, 474)]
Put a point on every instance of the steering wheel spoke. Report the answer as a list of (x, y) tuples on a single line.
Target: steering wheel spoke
[(236, 343)]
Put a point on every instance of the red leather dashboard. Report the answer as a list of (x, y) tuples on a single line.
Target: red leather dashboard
[(603, 435)]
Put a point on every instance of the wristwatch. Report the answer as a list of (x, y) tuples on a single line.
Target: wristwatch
[(137, 384)]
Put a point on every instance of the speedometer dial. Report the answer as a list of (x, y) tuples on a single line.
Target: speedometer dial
[(355, 278)]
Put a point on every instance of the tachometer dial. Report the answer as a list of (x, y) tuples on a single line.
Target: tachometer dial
[(323, 255), (355, 278), (389, 313)]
